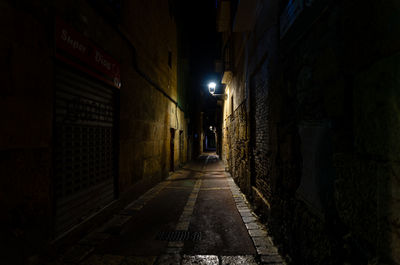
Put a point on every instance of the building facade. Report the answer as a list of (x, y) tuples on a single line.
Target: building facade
[(310, 123), (92, 112)]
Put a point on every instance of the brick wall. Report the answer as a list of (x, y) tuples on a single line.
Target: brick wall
[(261, 126)]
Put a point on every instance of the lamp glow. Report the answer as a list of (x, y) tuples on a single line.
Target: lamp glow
[(211, 87)]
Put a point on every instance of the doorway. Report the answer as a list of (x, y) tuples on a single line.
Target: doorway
[(181, 147), (172, 150)]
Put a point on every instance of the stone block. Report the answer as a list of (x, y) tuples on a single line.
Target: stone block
[(139, 261), (252, 225), (200, 260), (169, 259), (112, 259), (257, 232), (267, 250), (271, 259), (248, 219), (238, 260), (94, 239), (261, 241), (77, 253)]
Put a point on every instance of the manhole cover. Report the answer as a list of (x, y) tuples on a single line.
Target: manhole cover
[(179, 235)]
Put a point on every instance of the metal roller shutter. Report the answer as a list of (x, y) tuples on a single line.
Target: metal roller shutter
[(85, 150)]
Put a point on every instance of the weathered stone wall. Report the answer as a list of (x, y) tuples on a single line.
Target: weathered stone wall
[(337, 82), (235, 117), (148, 94), (142, 44), (236, 145), (323, 129)]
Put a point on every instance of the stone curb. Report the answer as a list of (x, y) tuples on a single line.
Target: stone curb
[(266, 251)]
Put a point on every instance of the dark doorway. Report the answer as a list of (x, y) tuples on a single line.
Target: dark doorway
[(252, 132), (181, 147), (209, 141), (172, 150)]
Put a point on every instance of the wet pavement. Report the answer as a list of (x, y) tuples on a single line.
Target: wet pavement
[(196, 216)]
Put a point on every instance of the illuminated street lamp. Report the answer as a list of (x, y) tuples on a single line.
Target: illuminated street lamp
[(211, 87)]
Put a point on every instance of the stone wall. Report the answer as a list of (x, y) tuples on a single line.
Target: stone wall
[(236, 146), (332, 79), (323, 129), (148, 103)]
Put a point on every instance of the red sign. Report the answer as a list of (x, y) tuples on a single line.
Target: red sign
[(85, 55)]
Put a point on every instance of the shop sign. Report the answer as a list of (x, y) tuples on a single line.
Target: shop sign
[(77, 50)]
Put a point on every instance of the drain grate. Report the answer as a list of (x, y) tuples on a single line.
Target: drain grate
[(179, 235)]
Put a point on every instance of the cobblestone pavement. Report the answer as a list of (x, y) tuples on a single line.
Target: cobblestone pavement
[(210, 221)]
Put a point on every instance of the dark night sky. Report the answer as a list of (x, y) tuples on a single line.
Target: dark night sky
[(199, 21)]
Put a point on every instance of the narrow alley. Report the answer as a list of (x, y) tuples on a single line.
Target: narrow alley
[(196, 216), (179, 132)]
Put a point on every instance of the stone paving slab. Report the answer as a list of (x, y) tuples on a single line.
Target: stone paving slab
[(249, 219), (173, 250), (265, 250), (246, 214), (238, 260), (77, 253), (260, 241), (104, 259), (115, 224), (93, 239), (168, 259), (271, 259), (93, 260), (139, 261), (252, 225), (200, 260), (257, 232)]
